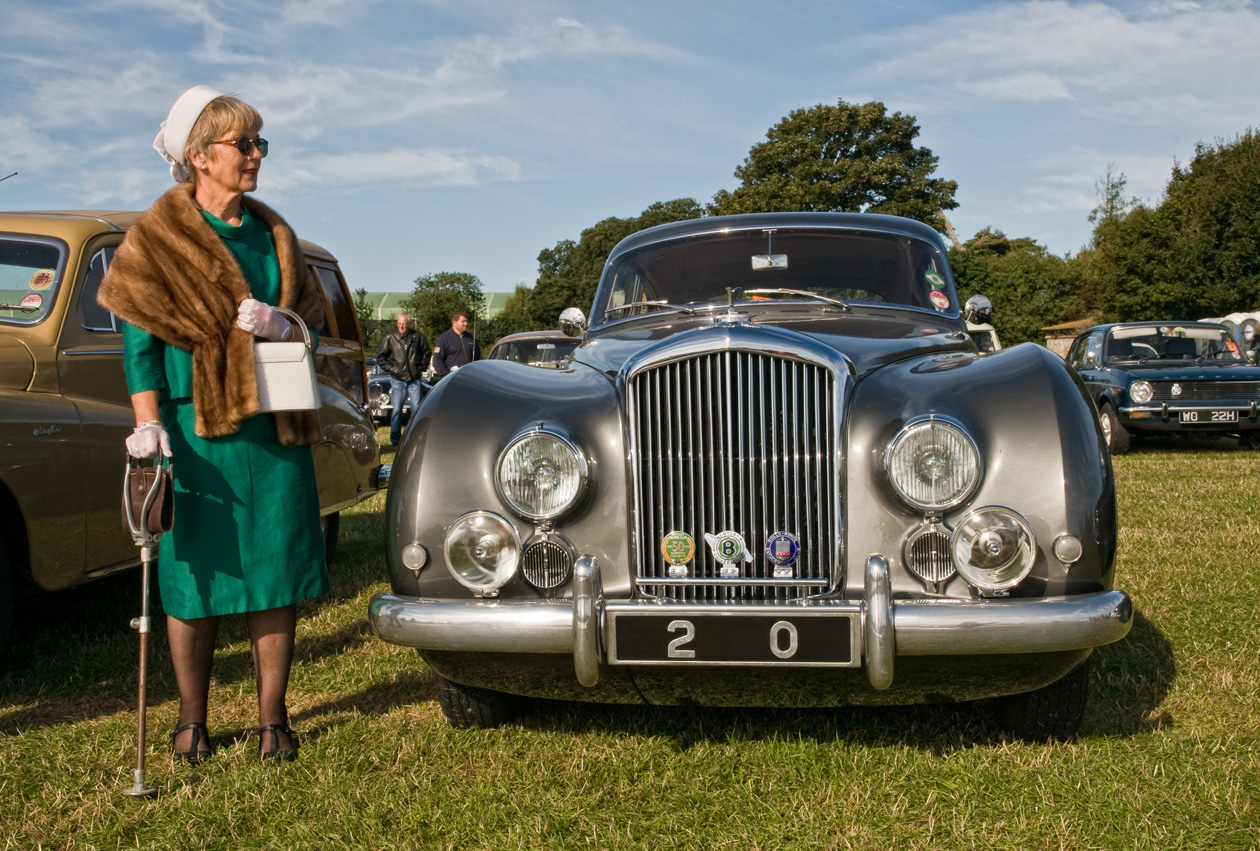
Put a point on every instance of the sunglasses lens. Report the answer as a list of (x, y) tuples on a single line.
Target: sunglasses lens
[(244, 143)]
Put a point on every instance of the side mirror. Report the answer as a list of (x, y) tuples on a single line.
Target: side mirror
[(1091, 357), (978, 309), (573, 322)]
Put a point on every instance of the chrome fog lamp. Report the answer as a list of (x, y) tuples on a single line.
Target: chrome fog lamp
[(1141, 392), (482, 551), (932, 464), (541, 474), (994, 548)]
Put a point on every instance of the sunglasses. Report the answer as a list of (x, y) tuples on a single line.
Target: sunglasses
[(244, 143)]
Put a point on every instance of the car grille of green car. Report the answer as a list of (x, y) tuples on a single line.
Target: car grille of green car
[(1198, 391), (735, 441)]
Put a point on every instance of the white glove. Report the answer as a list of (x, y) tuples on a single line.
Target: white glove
[(263, 320), (147, 441)]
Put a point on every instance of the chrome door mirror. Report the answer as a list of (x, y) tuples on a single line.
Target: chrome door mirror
[(573, 322), (978, 309)]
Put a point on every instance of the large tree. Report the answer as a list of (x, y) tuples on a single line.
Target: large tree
[(438, 295), (1197, 253), (844, 158), (569, 273)]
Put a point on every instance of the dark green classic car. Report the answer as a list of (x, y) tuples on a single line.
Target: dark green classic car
[(1168, 378)]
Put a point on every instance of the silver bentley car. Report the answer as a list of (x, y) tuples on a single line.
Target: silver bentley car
[(776, 472)]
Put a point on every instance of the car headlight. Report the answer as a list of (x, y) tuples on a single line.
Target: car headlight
[(1141, 392), (541, 474), (932, 464), (994, 548), (482, 551)]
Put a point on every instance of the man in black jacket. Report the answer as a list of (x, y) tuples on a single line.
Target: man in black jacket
[(455, 347), (404, 355)]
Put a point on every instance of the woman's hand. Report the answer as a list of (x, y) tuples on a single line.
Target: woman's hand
[(148, 440), (263, 320)]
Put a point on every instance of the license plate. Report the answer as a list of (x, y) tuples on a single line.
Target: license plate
[(1208, 417), (734, 638)]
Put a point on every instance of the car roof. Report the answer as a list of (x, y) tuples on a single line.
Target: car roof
[(1152, 324), (532, 335), (76, 225)]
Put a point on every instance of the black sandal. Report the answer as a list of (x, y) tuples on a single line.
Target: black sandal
[(276, 752), (194, 755)]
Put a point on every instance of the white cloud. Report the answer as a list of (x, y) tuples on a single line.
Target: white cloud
[(387, 170), (1021, 86)]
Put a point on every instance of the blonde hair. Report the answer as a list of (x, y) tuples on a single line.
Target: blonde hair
[(221, 115)]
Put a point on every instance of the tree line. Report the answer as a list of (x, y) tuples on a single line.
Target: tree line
[(1194, 254)]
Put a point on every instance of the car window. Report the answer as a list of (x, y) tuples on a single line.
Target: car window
[(30, 274), (91, 314), (339, 301), (832, 263), (1141, 343)]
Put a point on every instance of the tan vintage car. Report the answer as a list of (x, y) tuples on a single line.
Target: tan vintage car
[(65, 411)]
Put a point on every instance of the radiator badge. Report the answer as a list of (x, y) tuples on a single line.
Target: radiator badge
[(678, 548), (728, 548), (782, 549)]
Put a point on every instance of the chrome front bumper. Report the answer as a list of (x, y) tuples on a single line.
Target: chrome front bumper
[(890, 628)]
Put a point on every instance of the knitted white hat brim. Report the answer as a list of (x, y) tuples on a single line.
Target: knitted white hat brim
[(172, 137)]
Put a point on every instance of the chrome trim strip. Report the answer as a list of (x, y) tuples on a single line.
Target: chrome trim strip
[(881, 644), (70, 353), (588, 605)]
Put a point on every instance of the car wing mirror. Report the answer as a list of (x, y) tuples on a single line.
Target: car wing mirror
[(573, 322), (978, 309)]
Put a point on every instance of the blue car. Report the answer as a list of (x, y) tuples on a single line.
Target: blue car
[(1168, 377)]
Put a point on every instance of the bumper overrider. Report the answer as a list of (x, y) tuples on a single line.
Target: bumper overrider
[(879, 628)]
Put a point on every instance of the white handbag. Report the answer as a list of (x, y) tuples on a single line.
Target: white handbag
[(286, 372)]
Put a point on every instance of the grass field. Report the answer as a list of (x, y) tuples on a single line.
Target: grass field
[(1169, 756)]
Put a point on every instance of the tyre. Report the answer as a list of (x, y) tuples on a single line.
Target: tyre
[(1053, 712), (1116, 434), (467, 706), (7, 606), (330, 526)]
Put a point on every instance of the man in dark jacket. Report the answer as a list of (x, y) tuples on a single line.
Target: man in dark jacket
[(455, 347), (404, 355)]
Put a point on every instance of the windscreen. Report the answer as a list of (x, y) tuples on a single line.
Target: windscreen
[(853, 267), (1141, 343)]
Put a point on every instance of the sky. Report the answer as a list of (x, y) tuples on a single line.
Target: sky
[(418, 136)]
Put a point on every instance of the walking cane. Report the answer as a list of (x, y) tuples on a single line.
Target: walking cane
[(151, 485)]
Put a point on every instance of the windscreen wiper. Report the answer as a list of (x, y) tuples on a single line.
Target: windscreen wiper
[(783, 291)]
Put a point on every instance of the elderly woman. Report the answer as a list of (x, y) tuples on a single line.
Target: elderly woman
[(196, 281)]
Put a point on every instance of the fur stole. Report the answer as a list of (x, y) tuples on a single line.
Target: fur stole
[(174, 277)]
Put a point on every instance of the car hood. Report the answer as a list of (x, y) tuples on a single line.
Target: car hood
[(867, 340), (17, 365), (1201, 372)]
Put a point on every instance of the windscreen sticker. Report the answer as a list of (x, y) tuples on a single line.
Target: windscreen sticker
[(1232, 347), (32, 301), (42, 279), (934, 279), (939, 299)]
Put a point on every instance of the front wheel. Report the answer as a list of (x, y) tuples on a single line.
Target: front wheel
[(1052, 712), (468, 706), (1116, 434)]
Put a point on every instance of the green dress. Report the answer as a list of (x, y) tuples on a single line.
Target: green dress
[(246, 535)]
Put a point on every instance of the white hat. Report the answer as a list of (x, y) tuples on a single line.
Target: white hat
[(172, 138)]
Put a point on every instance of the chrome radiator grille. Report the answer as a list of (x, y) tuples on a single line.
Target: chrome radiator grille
[(736, 441)]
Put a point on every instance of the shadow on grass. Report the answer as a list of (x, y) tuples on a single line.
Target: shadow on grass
[(1180, 444), (1129, 682)]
